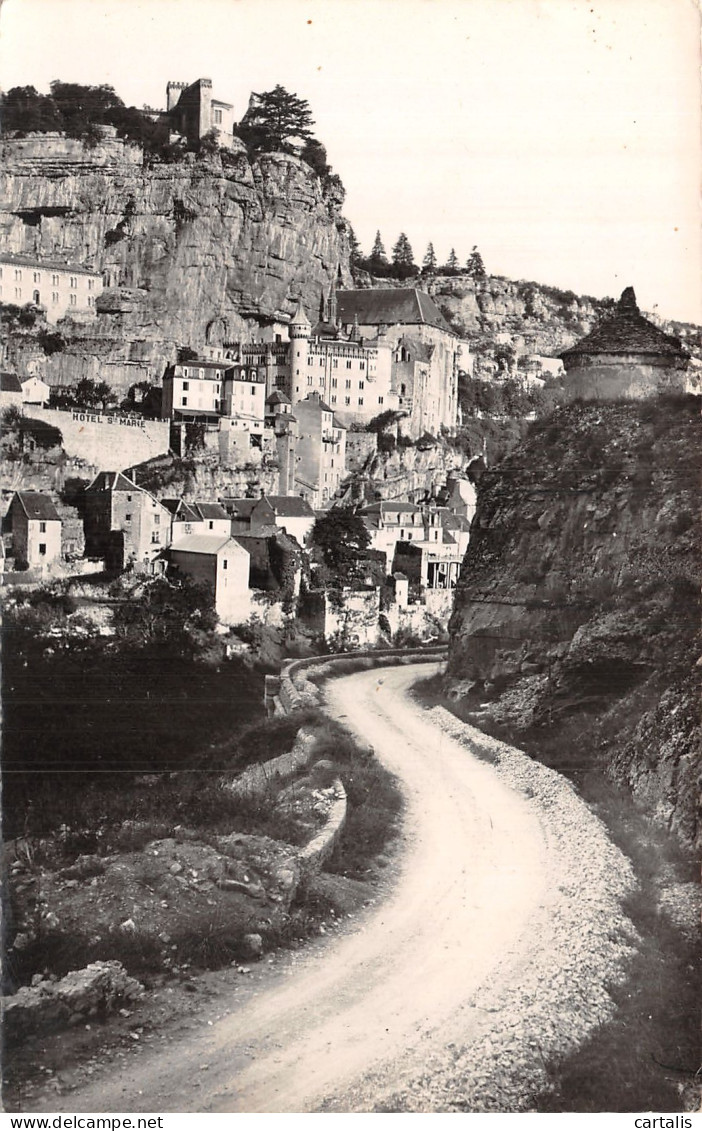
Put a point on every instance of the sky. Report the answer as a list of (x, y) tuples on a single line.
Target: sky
[(562, 137)]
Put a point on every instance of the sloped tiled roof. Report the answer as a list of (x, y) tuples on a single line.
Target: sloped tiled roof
[(10, 383), (181, 510), (240, 508), (205, 544), (111, 481), (45, 264), (404, 305), (627, 331), (277, 397), (210, 510), (36, 505), (290, 506)]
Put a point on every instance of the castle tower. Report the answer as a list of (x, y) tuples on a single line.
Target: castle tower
[(299, 330)]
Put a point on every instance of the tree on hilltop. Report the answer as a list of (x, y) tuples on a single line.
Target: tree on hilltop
[(26, 111), (429, 263), (475, 267), (403, 258), (452, 265), (277, 120)]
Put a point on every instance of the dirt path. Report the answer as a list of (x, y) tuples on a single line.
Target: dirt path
[(386, 999)]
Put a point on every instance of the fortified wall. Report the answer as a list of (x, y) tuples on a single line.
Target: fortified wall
[(106, 441)]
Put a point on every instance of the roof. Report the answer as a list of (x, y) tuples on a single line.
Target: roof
[(290, 506), (240, 508), (205, 363), (10, 383), (210, 510), (627, 331), (375, 307), (35, 505), (278, 398), (386, 507), (299, 318), (421, 351), (325, 330), (181, 510), (112, 481), (46, 264), (205, 544)]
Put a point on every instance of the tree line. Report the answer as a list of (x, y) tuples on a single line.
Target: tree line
[(401, 264)]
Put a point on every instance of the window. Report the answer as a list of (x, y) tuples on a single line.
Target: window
[(91, 284), (129, 498), (332, 461), (210, 525), (333, 400), (380, 400), (73, 300), (74, 281), (347, 400), (185, 371), (37, 276), (18, 275), (157, 520), (18, 292), (183, 401), (225, 564), (310, 361), (155, 537), (348, 364), (321, 361), (253, 390), (217, 117), (42, 528), (309, 380), (362, 365), (334, 382), (91, 300), (360, 400), (42, 549), (348, 384), (403, 390), (186, 385), (335, 363), (361, 385), (127, 518), (54, 280)]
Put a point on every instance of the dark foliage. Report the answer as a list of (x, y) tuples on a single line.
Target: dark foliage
[(342, 537)]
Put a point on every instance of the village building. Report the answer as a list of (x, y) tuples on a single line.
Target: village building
[(222, 564), (289, 513), (321, 451), (440, 536), (625, 356), (60, 288), (192, 112), (35, 527), (433, 561), (35, 391), (195, 518), (123, 523)]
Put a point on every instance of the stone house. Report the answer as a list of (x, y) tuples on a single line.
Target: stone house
[(321, 451), (290, 513), (123, 523), (60, 288), (36, 529), (221, 563), (192, 112), (625, 356)]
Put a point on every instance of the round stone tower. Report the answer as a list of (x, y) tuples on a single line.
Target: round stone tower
[(625, 356)]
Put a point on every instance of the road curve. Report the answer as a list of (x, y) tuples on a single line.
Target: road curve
[(382, 1002)]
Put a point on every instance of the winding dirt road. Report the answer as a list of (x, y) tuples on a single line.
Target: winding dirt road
[(383, 1001)]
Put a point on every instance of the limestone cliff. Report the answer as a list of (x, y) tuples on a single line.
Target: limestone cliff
[(196, 249), (576, 621)]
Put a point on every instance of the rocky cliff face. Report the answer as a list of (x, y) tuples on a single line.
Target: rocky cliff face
[(192, 250), (576, 623)]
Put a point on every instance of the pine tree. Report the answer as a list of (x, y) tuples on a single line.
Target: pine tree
[(378, 253), (475, 266), (355, 254), (402, 254), (277, 120), (452, 262), (429, 263)]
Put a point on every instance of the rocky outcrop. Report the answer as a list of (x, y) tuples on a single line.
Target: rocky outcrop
[(194, 250), (53, 1003), (577, 609)]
